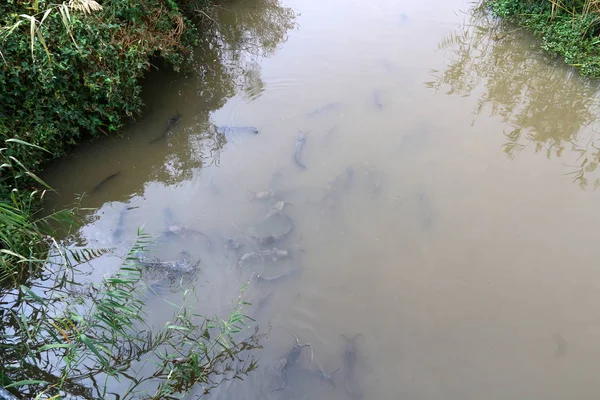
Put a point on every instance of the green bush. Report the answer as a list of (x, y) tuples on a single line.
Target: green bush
[(71, 73), (568, 29)]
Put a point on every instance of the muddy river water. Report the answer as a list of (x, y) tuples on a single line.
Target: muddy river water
[(442, 204)]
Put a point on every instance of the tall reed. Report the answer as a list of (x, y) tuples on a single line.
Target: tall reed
[(60, 337)]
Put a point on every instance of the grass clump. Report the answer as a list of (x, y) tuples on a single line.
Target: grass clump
[(569, 29)]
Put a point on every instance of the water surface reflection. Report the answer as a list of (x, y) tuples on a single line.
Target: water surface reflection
[(541, 101), (376, 219)]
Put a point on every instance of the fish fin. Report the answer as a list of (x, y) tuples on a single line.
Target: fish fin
[(352, 339), (301, 344)]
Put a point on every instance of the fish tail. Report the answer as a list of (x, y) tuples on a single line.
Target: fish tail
[(332, 376), (352, 339), (299, 163), (283, 384), (253, 195)]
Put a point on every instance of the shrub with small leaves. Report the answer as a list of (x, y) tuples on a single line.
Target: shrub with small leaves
[(569, 29), (73, 70)]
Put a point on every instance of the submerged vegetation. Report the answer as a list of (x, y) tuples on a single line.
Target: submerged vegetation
[(567, 28)]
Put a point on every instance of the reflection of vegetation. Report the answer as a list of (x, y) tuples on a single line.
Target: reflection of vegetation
[(256, 27), (542, 102), (236, 36), (568, 28)]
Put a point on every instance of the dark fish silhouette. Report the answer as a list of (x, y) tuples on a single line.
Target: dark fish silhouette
[(278, 277), (289, 358), (316, 370), (377, 99), (170, 124), (103, 183), (178, 230), (236, 130), (272, 240), (300, 142), (261, 256), (326, 108), (350, 360)]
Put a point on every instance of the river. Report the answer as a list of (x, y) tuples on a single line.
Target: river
[(447, 212)]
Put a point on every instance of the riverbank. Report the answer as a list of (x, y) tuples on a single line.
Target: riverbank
[(73, 70), (570, 33)]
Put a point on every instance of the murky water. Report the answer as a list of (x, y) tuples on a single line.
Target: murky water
[(447, 211)]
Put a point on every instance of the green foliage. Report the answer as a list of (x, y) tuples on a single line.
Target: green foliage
[(568, 29), (58, 336), (24, 236), (66, 73)]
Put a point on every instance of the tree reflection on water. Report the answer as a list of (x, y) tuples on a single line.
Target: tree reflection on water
[(225, 63), (544, 103)]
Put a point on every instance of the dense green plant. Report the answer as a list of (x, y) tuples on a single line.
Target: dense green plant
[(569, 29), (73, 69)]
